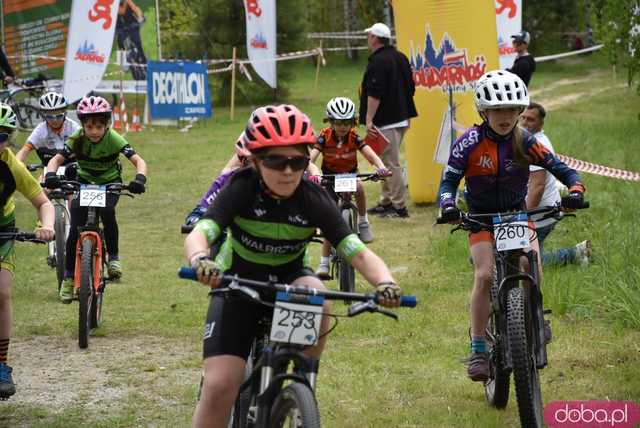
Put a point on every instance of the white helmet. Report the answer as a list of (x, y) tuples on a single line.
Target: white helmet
[(500, 89), (52, 101), (341, 108)]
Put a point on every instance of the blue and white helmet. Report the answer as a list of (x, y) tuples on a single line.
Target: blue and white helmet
[(500, 89), (341, 108), (52, 101)]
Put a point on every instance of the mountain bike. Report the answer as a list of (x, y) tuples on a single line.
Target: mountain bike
[(89, 277), (515, 330), (280, 379), (344, 186), (23, 96)]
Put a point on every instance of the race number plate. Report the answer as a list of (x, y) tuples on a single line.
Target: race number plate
[(92, 195), (345, 183), (511, 233), (295, 322)]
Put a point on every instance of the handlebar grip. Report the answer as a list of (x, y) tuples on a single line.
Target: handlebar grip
[(405, 301), (186, 229), (187, 273)]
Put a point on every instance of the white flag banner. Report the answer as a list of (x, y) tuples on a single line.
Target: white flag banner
[(508, 22), (261, 38), (91, 28)]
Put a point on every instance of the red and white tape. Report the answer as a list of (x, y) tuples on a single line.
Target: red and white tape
[(604, 171)]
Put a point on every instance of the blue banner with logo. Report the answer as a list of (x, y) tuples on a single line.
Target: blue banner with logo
[(178, 89)]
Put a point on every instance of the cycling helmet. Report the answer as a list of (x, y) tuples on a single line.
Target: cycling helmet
[(341, 108), (500, 89), (277, 126), (241, 147), (7, 117), (93, 106), (52, 101)]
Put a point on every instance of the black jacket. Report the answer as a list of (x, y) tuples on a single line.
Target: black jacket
[(4, 64), (523, 67), (389, 78)]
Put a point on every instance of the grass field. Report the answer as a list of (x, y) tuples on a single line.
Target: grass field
[(142, 368)]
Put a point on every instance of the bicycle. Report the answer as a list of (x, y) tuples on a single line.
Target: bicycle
[(264, 400), (344, 185), (56, 249), (22, 96), (89, 278), (515, 330)]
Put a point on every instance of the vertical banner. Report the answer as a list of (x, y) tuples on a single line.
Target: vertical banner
[(509, 22), (261, 38), (91, 30), (34, 30), (445, 52)]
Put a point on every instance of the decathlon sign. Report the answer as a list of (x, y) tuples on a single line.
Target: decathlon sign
[(178, 89)]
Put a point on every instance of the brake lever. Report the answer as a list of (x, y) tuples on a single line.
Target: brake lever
[(253, 294), (360, 307)]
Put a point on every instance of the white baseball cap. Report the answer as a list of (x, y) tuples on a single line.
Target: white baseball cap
[(380, 30)]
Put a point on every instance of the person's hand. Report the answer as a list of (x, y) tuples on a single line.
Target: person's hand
[(389, 294), (44, 233), (372, 131), (207, 270), (315, 179), (51, 180), (137, 184), (383, 172), (450, 214)]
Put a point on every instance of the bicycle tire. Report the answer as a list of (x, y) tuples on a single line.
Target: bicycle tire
[(28, 117), (95, 319), (61, 229), (296, 396), (496, 389), (86, 293), (525, 373), (346, 272)]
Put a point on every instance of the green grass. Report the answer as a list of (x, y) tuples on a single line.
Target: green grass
[(375, 372)]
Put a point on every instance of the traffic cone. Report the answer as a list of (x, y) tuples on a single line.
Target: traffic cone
[(123, 111), (135, 121), (117, 124)]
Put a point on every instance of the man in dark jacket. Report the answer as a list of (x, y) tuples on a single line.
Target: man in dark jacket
[(524, 65), (386, 104), (8, 74)]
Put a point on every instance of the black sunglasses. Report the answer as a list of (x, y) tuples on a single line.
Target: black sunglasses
[(4, 137), (280, 162), (58, 116)]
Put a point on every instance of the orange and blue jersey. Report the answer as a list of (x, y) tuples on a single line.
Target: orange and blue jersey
[(339, 157), (494, 181)]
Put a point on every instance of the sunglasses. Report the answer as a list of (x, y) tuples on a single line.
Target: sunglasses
[(4, 137), (58, 116), (279, 162), (343, 122)]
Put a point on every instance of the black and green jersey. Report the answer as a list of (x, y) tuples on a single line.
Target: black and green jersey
[(268, 233), (98, 163)]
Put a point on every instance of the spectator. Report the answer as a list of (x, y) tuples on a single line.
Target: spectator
[(524, 65), (542, 191), (386, 105), (130, 18), (6, 68)]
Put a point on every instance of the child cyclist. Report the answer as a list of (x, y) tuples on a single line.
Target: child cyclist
[(271, 213), (339, 145), (15, 177), (494, 159), (97, 148), (49, 136)]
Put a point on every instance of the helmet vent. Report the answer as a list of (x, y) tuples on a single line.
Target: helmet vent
[(292, 124), (263, 131)]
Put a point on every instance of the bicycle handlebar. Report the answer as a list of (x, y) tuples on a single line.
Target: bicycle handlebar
[(21, 236), (35, 166), (405, 301), (330, 178)]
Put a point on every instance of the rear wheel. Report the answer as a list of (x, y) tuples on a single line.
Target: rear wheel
[(295, 406), (86, 293), (61, 228)]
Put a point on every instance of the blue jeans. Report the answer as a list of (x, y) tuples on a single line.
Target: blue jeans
[(563, 256)]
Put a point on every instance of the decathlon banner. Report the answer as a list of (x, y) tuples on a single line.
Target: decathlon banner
[(509, 22), (261, 38), (178, 89), (450, 44), (91, 29)]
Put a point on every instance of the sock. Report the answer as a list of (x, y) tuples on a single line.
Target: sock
[(363, 218), (4, 349), (324, 260), (478, 344)]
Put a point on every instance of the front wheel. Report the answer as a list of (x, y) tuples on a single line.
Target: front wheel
[(61, 228), (295, 406), (346, 272), (496, 389), (86, 293)]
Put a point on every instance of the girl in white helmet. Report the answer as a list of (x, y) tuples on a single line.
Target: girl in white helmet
[(494, 159)]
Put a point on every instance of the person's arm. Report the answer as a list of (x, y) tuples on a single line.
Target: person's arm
[(372, 267), (136, 10), (139, 164), (372, 107), (46, 214), (372, 157), (6, 68), (313, 169), (313, 156), (55, 162), (536, 188), (23, 153)]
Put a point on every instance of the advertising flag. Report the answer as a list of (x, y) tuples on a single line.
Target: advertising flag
[(91, 30), (450, 44), (509, 22), (261, 38)]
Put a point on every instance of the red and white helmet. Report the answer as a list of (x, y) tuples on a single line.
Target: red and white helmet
[(241, 147), (93, 106), (277, 126)]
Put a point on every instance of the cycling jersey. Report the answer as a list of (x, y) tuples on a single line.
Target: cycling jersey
[(98, 163), (214, 189), (14, 176), (48, 143), (339, 157), (494, 181), (268, 233)]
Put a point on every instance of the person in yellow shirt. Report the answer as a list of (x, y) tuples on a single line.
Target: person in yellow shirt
[(14, 176)]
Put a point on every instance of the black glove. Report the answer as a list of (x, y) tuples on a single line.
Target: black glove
[(450, 213), (51, 180), (573, 201), (137, 184)]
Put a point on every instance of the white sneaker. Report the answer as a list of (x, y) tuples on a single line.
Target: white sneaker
[(364, 232), (323, 271), (583, 253)]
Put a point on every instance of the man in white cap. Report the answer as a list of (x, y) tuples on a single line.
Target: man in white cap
[(386, 103), (524, 65)]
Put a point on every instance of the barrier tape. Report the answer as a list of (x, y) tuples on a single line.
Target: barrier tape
[(345, 48), (604, 171), (566, 54)]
